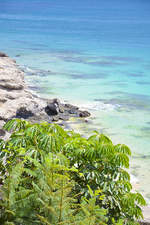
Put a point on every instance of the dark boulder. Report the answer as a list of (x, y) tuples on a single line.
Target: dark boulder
[(3, 54), (52, 109), (84, 114), (24, 113)]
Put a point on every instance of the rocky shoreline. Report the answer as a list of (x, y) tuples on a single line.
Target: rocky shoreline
[(17, 101)]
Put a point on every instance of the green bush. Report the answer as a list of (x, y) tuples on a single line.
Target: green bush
[(52, 176)]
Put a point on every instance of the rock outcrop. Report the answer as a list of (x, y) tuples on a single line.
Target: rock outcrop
[(16, 100), (2, 54)]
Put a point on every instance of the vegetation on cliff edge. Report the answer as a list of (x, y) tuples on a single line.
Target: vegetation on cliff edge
[(50, 176)]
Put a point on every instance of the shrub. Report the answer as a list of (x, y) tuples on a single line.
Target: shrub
[(53, 176)]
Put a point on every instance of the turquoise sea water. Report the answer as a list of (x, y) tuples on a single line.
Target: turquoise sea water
[(93, 53)]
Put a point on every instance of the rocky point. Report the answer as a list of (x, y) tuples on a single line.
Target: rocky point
[(17, 101)]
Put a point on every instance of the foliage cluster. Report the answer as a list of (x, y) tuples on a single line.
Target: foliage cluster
[(52, 176)]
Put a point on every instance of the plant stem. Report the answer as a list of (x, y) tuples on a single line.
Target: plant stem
[(61, 202)]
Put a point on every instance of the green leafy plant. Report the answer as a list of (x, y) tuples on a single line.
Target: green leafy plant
[(53, 176)]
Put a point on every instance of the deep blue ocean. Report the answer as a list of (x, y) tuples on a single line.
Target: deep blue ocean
[(95, 54)]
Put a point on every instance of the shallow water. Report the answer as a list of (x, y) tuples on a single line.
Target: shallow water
[(95, 54)]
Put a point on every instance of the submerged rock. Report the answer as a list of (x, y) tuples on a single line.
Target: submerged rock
[(84, 114)]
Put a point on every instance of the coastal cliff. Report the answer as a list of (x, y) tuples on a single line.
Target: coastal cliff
[(16, 100)]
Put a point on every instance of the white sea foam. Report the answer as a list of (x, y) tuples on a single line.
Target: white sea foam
[(27, 69), (99, 106)]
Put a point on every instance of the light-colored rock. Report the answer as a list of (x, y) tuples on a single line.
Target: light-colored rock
[(13, 91)]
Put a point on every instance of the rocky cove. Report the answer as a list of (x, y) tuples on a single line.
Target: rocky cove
[(17, 101)]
